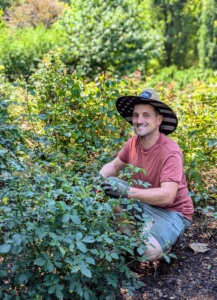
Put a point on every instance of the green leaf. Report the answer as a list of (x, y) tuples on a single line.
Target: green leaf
[(74, 135), (114, 255), (53, 236), (23, 279), (42, 117), (109, 241), (86, 295), (2, 153), (79, 290), (29, 194), (41, 233), (62, 251), (51, 289), (82, 247), (62, 205), (49, 266), (172, 255), (69, 261), (212, 142), (74, 269), (39, 262), (107, 207), (108, 258), (167, 259), (78, 236), (3, 274), (5, 248), (90, 260), (65, 218), (88, 239), (67, 134), (86, 272), (76, 220), (59, 294), (72, 286), (140, 250)]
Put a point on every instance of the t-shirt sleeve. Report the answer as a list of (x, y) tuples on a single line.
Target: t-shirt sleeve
[(172, 168), (124, 153)]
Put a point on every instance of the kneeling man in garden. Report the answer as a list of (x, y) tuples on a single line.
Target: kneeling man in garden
[(166, 201)]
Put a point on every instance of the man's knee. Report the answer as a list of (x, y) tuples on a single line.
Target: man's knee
[(153, 251)]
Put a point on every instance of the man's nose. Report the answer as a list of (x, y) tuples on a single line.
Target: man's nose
[(139, 119)]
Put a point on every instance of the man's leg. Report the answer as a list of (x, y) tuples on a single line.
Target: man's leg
[(154, 250)]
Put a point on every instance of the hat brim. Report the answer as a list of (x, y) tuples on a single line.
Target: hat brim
[(125, 105)]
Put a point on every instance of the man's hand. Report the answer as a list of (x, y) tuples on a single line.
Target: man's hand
[(115, 187)]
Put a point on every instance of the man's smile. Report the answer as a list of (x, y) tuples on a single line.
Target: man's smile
[(141, 125)]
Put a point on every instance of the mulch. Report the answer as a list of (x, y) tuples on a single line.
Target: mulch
[(191, 276)]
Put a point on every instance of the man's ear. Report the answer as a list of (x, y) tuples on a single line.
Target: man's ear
[(160, 119)]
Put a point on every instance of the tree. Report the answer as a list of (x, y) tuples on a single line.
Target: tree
[(107, 36), (207, 32), (178, 22)]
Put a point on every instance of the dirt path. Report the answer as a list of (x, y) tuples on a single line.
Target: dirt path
[(192, 276)]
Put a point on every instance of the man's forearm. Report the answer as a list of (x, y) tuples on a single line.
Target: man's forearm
[(108, 170), (154, 196), (112, 168)]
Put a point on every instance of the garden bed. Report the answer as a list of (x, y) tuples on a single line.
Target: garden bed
[(192, 276)]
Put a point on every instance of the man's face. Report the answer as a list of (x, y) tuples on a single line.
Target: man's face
[(145, 120)]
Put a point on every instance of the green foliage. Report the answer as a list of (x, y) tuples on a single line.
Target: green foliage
[(115, 38), (200, 147), (195, 106), (21, 50), (56, 233), (8, 3), (58, 236), (178, 25), (71, 113), (108, 36), (179, 79), (207, 33), (10, 136), (56, 132)]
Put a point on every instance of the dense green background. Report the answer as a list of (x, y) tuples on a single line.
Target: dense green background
[(106, 36), (59, 79)]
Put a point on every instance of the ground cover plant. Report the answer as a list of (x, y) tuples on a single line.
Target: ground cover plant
[(56, 132)]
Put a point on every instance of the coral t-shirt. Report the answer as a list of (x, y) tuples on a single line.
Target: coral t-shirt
[(163, 162)]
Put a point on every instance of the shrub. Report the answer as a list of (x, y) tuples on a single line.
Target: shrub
[(21, 50), (33, 13), (74, 115), (179, 79), (107, 36), (10, 136), (56, 233), (57, 236), (195, 106)]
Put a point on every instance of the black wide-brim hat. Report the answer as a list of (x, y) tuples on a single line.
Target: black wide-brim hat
[(125, 105)]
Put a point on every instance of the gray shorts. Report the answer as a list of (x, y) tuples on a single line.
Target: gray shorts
[(165, 226)]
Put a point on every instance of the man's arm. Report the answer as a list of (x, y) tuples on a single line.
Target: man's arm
[(162, 196), (113, 168)]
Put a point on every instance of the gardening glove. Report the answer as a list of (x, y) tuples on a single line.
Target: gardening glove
[(115, 187)]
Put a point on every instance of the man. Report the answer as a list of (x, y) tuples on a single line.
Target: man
[(165, 201)]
